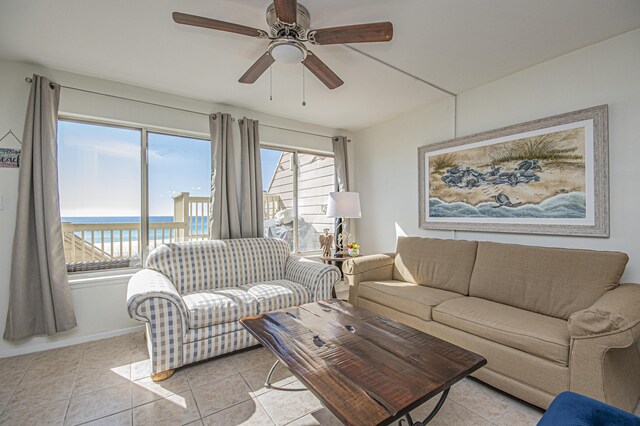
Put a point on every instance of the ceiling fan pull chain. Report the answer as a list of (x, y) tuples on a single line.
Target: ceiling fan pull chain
[(270, 83), (304, 94)]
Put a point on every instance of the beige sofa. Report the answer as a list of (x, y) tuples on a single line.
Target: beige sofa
[(547, 320)]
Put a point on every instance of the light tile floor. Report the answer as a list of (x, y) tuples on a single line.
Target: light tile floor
[(107, 383)]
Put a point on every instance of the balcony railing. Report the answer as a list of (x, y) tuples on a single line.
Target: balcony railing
[(108, 241), (90, 246), (193, 213), (272, 204)]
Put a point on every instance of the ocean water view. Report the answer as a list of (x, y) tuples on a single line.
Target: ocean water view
[(199, 225)]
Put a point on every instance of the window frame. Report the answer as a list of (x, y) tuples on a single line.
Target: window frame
[(296, 176), (145, 130)]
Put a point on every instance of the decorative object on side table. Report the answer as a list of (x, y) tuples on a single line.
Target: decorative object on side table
[(548, 176), (354, 249), (326, 242), (343, 205)]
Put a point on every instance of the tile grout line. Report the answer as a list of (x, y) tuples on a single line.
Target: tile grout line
[(73, 388), (195, 400), (31, 365), (232, 405), (275, 390), (13, 394), (455, 400), (101, 417), (265, 410), (256, 397), (131, 377), (474, 413), (296, 419), (85, 345)]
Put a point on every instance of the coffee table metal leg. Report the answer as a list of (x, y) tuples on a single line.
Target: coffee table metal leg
[(430, 417), (268, 385)]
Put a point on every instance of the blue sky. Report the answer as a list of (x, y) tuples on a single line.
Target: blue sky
[(99, 170)]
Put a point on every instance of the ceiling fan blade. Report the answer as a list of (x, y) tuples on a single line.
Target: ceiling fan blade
[(257, 69), (214, 24), (286, 10), (361, 33), (322, 71)]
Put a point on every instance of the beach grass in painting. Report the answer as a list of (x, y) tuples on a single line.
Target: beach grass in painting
[(540, 176)]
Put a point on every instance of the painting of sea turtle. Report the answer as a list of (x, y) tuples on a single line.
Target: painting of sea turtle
[(538, 177)]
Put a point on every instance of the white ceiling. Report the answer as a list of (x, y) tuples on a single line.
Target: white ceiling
[(456, 44)]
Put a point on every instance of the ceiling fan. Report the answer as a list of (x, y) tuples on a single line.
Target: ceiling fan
[(289, 31)]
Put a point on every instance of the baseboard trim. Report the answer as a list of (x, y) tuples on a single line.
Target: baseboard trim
[(69, 342)]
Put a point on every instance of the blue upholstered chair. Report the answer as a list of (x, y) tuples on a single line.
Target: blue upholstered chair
[(572, 409)]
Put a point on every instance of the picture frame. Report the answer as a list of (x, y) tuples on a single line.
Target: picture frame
[(546, 176)]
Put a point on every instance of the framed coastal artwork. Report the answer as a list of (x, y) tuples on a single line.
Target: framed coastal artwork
[(548, 176)]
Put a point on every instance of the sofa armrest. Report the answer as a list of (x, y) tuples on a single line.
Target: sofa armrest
[(149, 284), (152, 298), (319, 278), (616, 311), (604, 360), (367, 268)]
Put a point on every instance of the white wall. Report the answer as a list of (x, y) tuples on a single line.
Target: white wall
[(605, 73), (100, 305)]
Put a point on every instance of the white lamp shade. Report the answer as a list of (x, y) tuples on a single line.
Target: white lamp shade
[(344, 204)]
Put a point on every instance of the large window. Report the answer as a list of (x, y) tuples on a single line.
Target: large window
[(100, 193), (110, 219), (296, 185), (179, 188), (124, 191)]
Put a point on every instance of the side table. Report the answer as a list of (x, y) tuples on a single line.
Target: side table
[(337, 261)]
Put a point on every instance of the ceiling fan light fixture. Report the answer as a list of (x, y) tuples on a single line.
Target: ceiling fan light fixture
[(288, 52), (289, 30)]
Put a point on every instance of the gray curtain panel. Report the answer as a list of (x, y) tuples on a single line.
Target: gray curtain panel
[(251, 208), (342, 175), (341, 164), (224, 217), (40, 298)]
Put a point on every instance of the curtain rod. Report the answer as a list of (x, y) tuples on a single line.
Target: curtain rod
[(299, 131), (30, 80)]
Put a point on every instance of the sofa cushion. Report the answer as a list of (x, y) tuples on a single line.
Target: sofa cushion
[(408, 298), (536, 334), (278, 294), (201, 265), (443, 264), (211, 307), (549, 281)]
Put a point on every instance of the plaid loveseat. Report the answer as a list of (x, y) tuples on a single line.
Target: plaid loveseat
[(191, 295)]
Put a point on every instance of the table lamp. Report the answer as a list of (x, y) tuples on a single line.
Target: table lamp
[(343, 205)]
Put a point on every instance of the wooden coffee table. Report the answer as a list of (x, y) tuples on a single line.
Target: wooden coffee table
[(365, 368)]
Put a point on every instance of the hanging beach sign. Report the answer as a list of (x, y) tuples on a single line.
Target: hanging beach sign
[(9, 157)]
